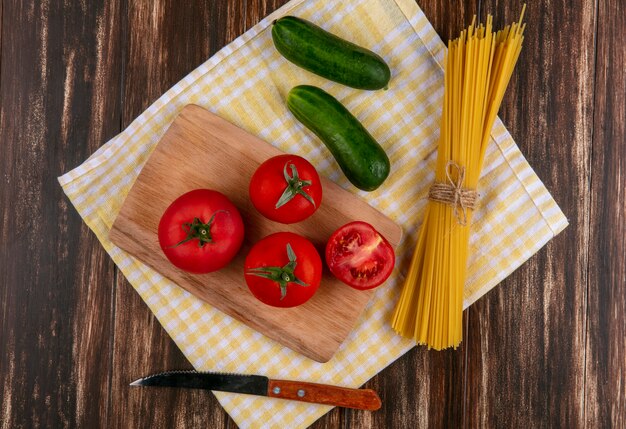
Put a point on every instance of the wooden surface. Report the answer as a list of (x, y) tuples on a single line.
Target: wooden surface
[(185, 160), (547, 348), (361, 399)]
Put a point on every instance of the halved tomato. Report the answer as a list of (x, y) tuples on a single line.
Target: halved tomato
[(359, 256)]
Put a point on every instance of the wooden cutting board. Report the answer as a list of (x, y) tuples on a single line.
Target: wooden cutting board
[(202, 150)]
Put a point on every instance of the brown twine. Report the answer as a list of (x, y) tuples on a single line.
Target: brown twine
[(454, 194)]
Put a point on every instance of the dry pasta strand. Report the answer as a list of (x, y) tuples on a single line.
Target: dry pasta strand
[(478, 67)]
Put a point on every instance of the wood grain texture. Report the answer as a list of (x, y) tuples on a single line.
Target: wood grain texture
[(605, 364), (60, 79), (545, 348), (362, 399), (526, 343), (155, 408), (185, 159)]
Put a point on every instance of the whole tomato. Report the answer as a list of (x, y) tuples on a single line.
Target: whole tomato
[(283, 270), (201, 231), (359, 256), (286, 189)]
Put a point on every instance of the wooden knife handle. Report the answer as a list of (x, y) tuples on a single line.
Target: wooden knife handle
[(362, 399)]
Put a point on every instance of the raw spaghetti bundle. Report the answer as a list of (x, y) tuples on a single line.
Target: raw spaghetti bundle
[(478, 67)]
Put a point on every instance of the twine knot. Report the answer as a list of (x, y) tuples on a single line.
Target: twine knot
[(453, 193)]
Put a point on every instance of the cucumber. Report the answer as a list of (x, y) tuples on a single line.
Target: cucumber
[(360, 157), (320, 52)]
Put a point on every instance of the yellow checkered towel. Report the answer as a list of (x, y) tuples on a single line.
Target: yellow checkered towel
[(247, 83)]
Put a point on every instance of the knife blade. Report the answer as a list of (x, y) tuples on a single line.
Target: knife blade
[(362, 399)]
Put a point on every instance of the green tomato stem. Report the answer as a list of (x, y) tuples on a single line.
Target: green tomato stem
[(281, 275), (294, 187), (196, 229)]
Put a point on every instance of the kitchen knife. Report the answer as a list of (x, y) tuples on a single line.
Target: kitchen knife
[(362, 399)]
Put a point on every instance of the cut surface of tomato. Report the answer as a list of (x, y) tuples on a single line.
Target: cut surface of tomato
[(359, 256)]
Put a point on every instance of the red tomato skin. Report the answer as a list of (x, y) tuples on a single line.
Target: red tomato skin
[(227, 231), (271, 252), (268, 184), (380, 258)]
